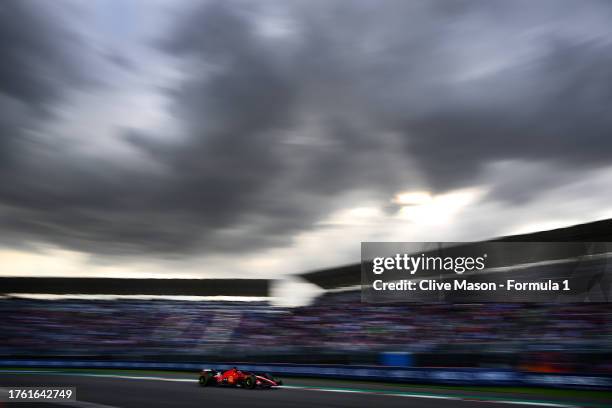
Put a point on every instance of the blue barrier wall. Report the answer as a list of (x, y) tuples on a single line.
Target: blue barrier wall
[(397, 359), (457, 376)]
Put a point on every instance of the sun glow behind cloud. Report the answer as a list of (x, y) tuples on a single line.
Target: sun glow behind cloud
[(426, 209), (413, 198)]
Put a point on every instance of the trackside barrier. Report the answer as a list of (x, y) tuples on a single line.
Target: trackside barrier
[(457, 376)]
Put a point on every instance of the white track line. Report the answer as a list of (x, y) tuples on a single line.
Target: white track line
[(541, 404), (370, 392), (137, 377), (446, 397)]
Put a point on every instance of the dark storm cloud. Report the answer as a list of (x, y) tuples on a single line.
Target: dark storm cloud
[(41, 63), (373, 73), (286, 106), (560, 115), (37, 58), (34, 68)]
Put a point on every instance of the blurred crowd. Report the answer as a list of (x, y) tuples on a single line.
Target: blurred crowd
[(331, 325)]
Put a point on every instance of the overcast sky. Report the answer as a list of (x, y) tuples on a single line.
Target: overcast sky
[(260, 138)]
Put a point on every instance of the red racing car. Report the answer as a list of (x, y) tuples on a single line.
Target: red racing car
[(237, 378)]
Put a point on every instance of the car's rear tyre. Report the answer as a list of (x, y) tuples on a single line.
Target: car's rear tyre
[(204, 380), (250, 382)]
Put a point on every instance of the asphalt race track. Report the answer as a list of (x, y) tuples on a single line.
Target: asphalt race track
[(132, 390)]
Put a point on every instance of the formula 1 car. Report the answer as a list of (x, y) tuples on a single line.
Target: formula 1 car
[(237, 378)]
